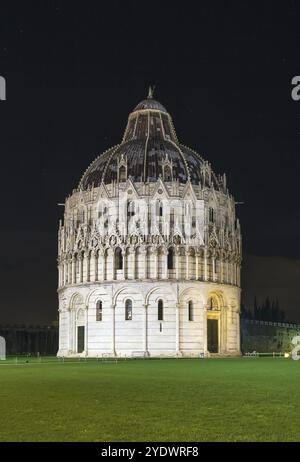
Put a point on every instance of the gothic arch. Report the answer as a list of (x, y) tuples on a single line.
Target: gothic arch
[(76, 298), (218, 297)]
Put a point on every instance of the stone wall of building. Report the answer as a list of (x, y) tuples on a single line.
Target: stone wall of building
[(267, 337), (175, 334), (22, 340), (149, 224)]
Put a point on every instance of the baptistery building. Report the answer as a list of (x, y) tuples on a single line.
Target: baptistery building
[(149, 250)]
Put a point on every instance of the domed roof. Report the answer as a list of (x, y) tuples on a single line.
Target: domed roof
[(150, 103), (149, 149)]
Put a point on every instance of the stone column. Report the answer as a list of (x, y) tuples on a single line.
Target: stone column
[(197, 264), (143, 256), (146, 263), (83, 278), (94, 265), (187, 253), (177, 260), (227, 269), (59, 336), (80, 268), (129, 263), (88, 267), (133, 262), (205, 265), (113, 329), (86, 331), (222, 328), (201, 269), (72, 327), (112, 262), (204, 330), (96, 275), (101, 265), (73, 270), (165, 264), (70, 273), (60, 271), (124, 263), (145, 330), (221, 268), (238, 334), (155, 254), (213, 266), (177, 329)]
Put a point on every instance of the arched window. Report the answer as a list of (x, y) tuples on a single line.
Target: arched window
[(122, 173), (211, 215), (172, 219), (77, 264), (171, 258), (167, 173), (191, 310), (80, 216), (159, 209), (118, 259), (128, 310), (160, 310), (130, 209), (99, 310)]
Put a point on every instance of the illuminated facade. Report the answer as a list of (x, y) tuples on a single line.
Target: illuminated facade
[(149, 250)]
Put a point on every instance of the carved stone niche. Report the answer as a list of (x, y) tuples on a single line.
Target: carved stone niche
[(122, 169), (167, 168)]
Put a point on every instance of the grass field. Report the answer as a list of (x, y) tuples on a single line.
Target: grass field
[(245, 399)]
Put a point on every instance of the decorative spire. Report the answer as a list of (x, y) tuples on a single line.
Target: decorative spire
[(150, 92)]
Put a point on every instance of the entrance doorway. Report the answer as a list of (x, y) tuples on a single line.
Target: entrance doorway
[(80, 339), (213, 335)]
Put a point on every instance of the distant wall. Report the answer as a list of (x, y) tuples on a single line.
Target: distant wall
[(30, 340), (267, 337), (260, 336)]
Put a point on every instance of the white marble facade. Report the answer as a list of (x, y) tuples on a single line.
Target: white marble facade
[(149, 251)]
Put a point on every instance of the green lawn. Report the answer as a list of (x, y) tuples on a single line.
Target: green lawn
[(246, 399)]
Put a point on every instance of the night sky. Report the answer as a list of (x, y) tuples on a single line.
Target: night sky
[(74, 72)]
